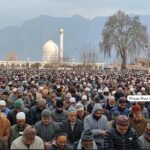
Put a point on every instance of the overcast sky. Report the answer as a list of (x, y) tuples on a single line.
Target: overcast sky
[(14, 12)]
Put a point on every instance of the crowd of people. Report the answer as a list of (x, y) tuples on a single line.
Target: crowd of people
[(73, 110)]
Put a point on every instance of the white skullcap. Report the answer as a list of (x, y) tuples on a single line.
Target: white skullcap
[(87, 89), (106, 89), (131, 89), (20, 115), (14, 90), (79, 107), (84, 97), (2, 103), (113, 92), (72, 100), (143, 89), (148, 81), (100, 91)]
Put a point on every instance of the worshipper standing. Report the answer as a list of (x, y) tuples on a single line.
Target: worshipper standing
[(28, 140), (18, 128), (86, 141), (4, 131), (138, 122), (122, 137), (60, 142), (35, 111), (81, 113), (145, 137), (59, 114), (72, 126), (121, 107), (3, 108), (18, 107), (97, 123), (46, 128)]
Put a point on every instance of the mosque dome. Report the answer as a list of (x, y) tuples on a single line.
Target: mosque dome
[(50, 51)]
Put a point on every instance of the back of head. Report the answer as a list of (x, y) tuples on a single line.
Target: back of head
[(29, 132)]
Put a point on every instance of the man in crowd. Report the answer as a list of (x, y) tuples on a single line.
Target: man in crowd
[(138, 122), (122, 137), (59, 114), (18, 107), (28, 140), (3, 108), (4, 131), (18, 128), (46, 128), (60, 142), (145, 137), (97, 123), (72, 126), (87, 141)]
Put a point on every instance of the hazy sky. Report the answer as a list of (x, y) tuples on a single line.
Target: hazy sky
[(14, 12)]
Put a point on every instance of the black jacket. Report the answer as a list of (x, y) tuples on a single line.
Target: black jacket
[(114, 140), (74, 135)]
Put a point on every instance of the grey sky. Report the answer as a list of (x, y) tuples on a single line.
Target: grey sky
[(14, 12)]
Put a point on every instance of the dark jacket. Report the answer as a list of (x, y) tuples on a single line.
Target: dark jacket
[(12, 115), (74, 135), (34, 115), (114, 140)]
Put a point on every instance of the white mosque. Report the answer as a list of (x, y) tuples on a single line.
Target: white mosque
[(51, 53)]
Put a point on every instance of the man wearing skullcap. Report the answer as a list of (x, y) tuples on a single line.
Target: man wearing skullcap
[(18, 107), (145, 137), (138, 122), (72, 126), (46, 128), (18, 128), (122, 136), (28, 140), (87, 141)]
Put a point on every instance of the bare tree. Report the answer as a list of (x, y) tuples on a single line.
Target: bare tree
[(124, 34)]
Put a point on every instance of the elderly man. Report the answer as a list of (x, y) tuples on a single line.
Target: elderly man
[(46, 128), (97, 123), (18, 128), (122, 137), (87, 141), (4, 131), (72, 126), (28, 140)]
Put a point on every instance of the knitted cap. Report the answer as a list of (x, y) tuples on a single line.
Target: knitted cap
[(46, 113), (87, 135), (136, 108), (122, 120), (122, 100), (79, 107), (72, 109), (18, 104)]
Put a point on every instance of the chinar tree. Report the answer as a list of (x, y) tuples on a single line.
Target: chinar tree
[(124, 34)]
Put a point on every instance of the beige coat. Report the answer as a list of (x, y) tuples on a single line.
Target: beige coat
[(18, 144)]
